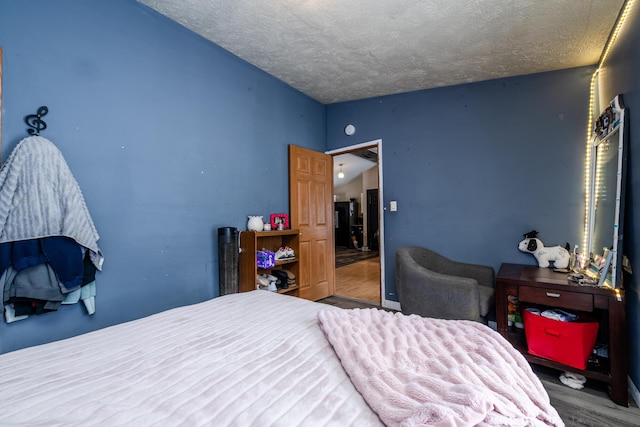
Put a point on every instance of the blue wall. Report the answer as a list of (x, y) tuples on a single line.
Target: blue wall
[(171, 137), (474, 167), (168, 135), (619, 74)]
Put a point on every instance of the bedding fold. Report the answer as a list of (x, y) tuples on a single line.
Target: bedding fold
[(416, 371)]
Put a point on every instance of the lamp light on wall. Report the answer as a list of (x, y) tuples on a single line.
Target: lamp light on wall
[(341, 174)]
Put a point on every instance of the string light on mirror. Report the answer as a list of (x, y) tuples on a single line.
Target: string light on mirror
[(592, 99), (341, 174)]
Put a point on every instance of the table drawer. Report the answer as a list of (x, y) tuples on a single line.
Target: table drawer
[(556, 298)]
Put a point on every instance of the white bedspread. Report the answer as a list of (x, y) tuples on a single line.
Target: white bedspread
[(252, 359), (416, 371)]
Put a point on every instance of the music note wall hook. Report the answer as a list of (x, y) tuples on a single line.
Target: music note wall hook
[(35, 122)]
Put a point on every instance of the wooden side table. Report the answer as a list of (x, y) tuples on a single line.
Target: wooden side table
[(544, 287)]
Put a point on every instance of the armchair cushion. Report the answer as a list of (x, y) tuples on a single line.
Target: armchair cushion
[(432, 285)]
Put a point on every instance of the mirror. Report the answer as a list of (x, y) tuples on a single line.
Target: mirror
[(606, 200)]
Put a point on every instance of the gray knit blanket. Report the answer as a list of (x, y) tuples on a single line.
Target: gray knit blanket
[(39, 197)]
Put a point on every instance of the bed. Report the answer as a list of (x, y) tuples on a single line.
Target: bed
[(260, 359)]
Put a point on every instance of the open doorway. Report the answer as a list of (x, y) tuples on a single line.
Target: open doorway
[(357, 222)]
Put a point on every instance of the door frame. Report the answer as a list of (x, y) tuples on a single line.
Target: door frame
[(381, 209)]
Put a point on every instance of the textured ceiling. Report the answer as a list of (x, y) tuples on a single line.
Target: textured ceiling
[(341, 50)]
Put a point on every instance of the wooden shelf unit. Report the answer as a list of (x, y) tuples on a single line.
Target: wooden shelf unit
[(545, 288), (254, 241)]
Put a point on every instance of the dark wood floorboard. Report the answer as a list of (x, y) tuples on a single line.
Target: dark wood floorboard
[(590, 407), (345, 302), (346, 256)]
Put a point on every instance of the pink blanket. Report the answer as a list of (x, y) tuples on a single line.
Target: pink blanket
[(416, 371)]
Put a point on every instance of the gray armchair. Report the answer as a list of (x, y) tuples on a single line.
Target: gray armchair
[(431, 285)]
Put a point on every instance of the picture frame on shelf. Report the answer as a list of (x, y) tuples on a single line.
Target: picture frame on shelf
[(279, 221)]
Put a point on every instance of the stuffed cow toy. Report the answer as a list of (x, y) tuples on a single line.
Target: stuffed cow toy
[(544, 255)]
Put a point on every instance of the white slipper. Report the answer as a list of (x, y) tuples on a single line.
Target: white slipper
[(577, 377), (572, 382)]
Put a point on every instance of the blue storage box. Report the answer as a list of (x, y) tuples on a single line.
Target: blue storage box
[(265, 259)]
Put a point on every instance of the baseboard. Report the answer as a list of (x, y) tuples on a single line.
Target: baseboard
[(635, 394), (393, 305)]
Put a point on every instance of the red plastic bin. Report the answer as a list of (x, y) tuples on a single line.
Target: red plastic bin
[(569, 343)]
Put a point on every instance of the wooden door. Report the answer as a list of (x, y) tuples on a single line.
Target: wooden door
[(311, 208)]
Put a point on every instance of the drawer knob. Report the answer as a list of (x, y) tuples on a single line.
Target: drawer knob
[(553, 295)]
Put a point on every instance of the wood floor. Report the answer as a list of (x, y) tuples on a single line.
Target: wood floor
[(590, 407), (360, 280)]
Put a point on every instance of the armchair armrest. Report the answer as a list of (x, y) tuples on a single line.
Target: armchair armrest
[(483, 274), (432, 294)]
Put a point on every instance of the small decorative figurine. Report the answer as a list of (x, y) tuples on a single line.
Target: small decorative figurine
[(557, 254)]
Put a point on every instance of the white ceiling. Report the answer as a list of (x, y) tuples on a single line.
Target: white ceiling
[(352, 167), (341, 50)]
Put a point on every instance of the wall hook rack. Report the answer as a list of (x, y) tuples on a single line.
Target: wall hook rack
[(35, 122)]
